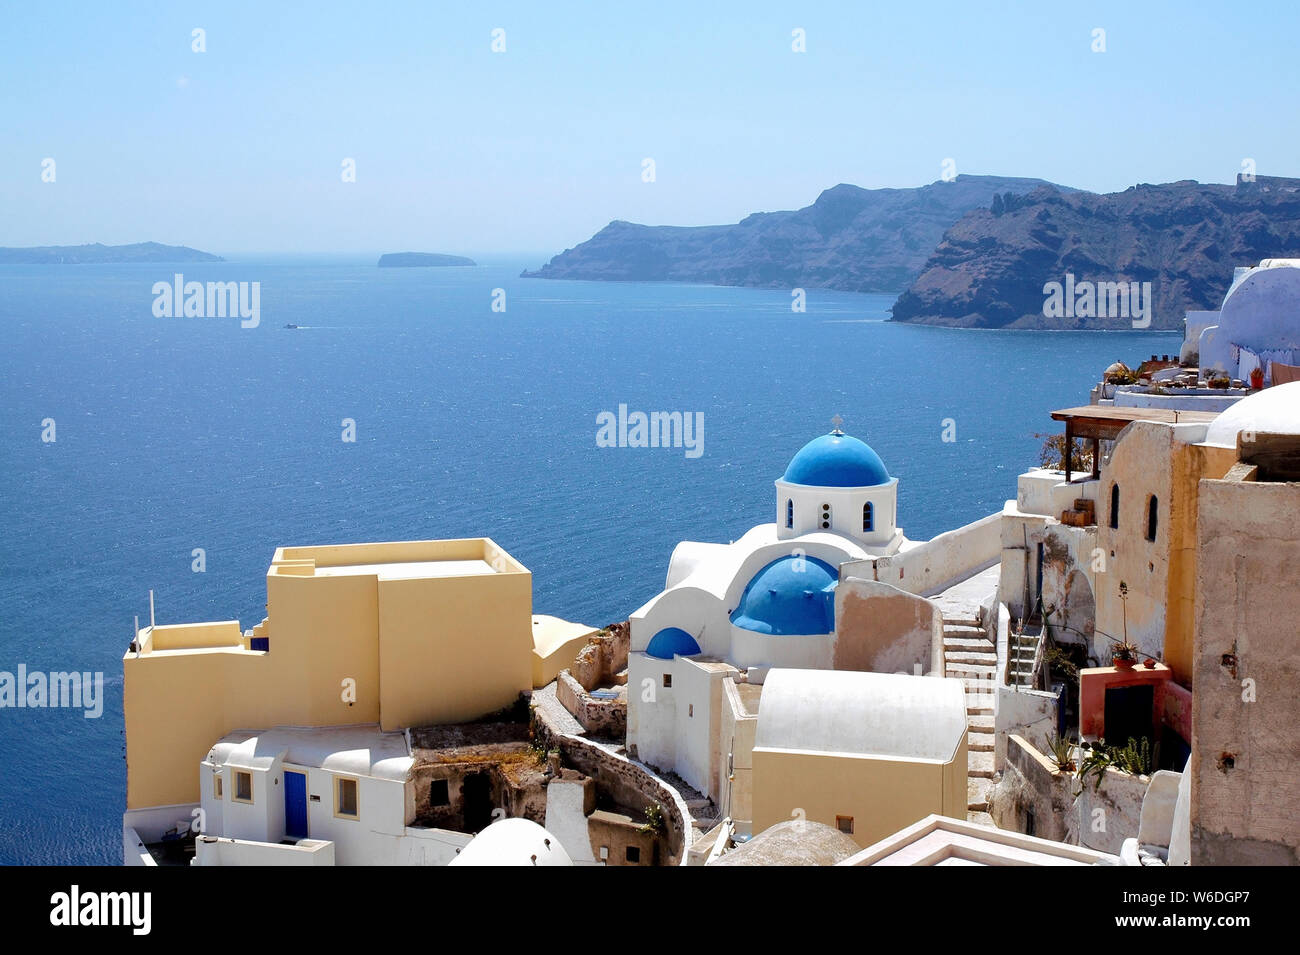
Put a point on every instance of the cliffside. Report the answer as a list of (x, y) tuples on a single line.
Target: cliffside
[(1184, 238), (853, 239)]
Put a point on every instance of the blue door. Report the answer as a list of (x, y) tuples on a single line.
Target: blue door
[(295, 805)]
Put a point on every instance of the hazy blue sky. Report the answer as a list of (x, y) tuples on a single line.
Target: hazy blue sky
[(460, 149)]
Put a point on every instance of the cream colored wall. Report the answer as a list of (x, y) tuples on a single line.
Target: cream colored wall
[(556, 644), (882, 795), (1152, 458), (451, 648)]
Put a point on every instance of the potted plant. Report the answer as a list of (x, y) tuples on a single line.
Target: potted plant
[(1219, 381), (1257, 378), (1124, 656)]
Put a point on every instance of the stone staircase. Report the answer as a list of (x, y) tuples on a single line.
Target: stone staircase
[(1021, 650), (970, 656)]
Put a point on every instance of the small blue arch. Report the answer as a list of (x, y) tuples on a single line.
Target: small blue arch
[(670, 642)]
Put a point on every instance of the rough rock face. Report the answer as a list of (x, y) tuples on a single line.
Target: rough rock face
[(852, 239), (1184, 238)]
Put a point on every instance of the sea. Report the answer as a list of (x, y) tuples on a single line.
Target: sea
[(135, 444)]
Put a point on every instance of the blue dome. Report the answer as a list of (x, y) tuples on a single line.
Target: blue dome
[(672, 641), (836, 460), (791, 595)]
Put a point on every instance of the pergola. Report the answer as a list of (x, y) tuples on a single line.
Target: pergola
[(1105, 422)]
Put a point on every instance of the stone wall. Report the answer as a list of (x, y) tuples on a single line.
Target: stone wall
[(604, 718), (1245, 803), (1034, 794), (883, 629), (626, 782), (603, 661), (1102, 818), (1031, 788)]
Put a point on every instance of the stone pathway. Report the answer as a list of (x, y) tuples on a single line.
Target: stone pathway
[(970, 656), (556, 715)]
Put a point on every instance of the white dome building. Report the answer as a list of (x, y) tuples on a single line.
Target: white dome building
[(513, 841), (767, 600), (1258, 322), (1274, 410), (838, 483)]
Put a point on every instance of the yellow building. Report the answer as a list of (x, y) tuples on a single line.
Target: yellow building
[(395, 634), (865, 753)]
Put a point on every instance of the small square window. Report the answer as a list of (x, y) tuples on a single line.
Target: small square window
[(216, 786), (844, 824), (633, 854), (438, 793), (604, 853), (243, 787), (668, 681), (345, 798)]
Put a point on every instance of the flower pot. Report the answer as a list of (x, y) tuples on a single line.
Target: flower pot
[(1149, 663), (1122, 664), (1257, 378)]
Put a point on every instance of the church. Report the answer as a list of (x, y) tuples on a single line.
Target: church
[(817, 589)]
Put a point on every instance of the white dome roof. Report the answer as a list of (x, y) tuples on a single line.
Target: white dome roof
[(1274, 410), (513, 841)]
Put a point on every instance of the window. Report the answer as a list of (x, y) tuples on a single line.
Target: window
[(789, 512), (690, 709), (216, 786), (1152, 507), (438, 793), (345, 798), (868, 518), (604, 853), (844, 824), (633, 854), (1114, 506), (826, 517), (243, 787), (668, 681)]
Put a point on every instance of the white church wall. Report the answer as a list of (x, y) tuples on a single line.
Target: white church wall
[(651, 710), (846, 506), (797, 652), (936, 564), (697, 697)]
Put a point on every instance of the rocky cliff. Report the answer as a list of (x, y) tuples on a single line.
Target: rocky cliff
[(991, 268), (861, 240)]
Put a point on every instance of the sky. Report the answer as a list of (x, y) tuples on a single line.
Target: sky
[(461, 148)]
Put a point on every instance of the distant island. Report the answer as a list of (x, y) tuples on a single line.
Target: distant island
[(1184, 238), (851, 239), (411, 260), (97, 253)]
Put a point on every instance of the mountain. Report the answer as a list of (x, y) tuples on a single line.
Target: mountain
[(1185, 238), (853, 239), (98, 253), (395, 260)]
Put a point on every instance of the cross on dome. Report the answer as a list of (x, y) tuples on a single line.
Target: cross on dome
[(836, 421)]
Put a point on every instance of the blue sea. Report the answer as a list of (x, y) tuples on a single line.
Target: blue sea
[(173, 434)]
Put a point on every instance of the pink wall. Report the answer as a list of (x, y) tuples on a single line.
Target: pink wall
[(1172, 703)]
